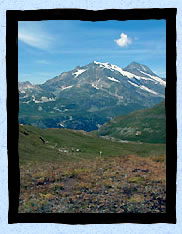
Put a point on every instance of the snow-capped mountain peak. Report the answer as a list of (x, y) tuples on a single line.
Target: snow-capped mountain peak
[(97, 91), (134, 70)]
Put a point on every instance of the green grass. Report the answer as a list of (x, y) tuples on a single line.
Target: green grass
[(149, 123), (31, 148)]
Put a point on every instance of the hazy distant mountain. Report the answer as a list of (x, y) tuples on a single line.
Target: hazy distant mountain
[(148, 125), (88, 96)]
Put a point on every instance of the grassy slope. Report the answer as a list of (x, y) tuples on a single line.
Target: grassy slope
[(57, 182), (149, 123), (31, 147)]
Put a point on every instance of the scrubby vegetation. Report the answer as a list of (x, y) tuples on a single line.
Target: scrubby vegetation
[(63, 171), (119, 184)]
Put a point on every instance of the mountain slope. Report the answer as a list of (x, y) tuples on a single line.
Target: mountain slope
[(51, 145), (148, 125), (62, 171), (88, 96), (138, 69)]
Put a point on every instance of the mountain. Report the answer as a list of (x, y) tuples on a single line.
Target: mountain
[(88, 96), (24, 85), (139, 69), (148, 125)]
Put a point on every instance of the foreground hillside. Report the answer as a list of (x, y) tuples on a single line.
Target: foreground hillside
[(148, 125), (62, 144), (62, 171), (104, 185)]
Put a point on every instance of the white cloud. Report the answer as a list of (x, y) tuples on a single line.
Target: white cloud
[(123, 41), (33, 34)]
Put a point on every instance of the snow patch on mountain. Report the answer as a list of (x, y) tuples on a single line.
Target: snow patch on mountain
[(113, 68), (120, 70), (113, 79), (148, 90), (162, 82), (133, 84), (124, 73), (78, 72), (105, 65), (66, 87), (144, 88), (43, 99), (130, 75)]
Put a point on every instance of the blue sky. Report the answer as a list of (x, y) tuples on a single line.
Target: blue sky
[(48, 48)]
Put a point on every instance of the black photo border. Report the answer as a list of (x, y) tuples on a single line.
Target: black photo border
[(12, 18)]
